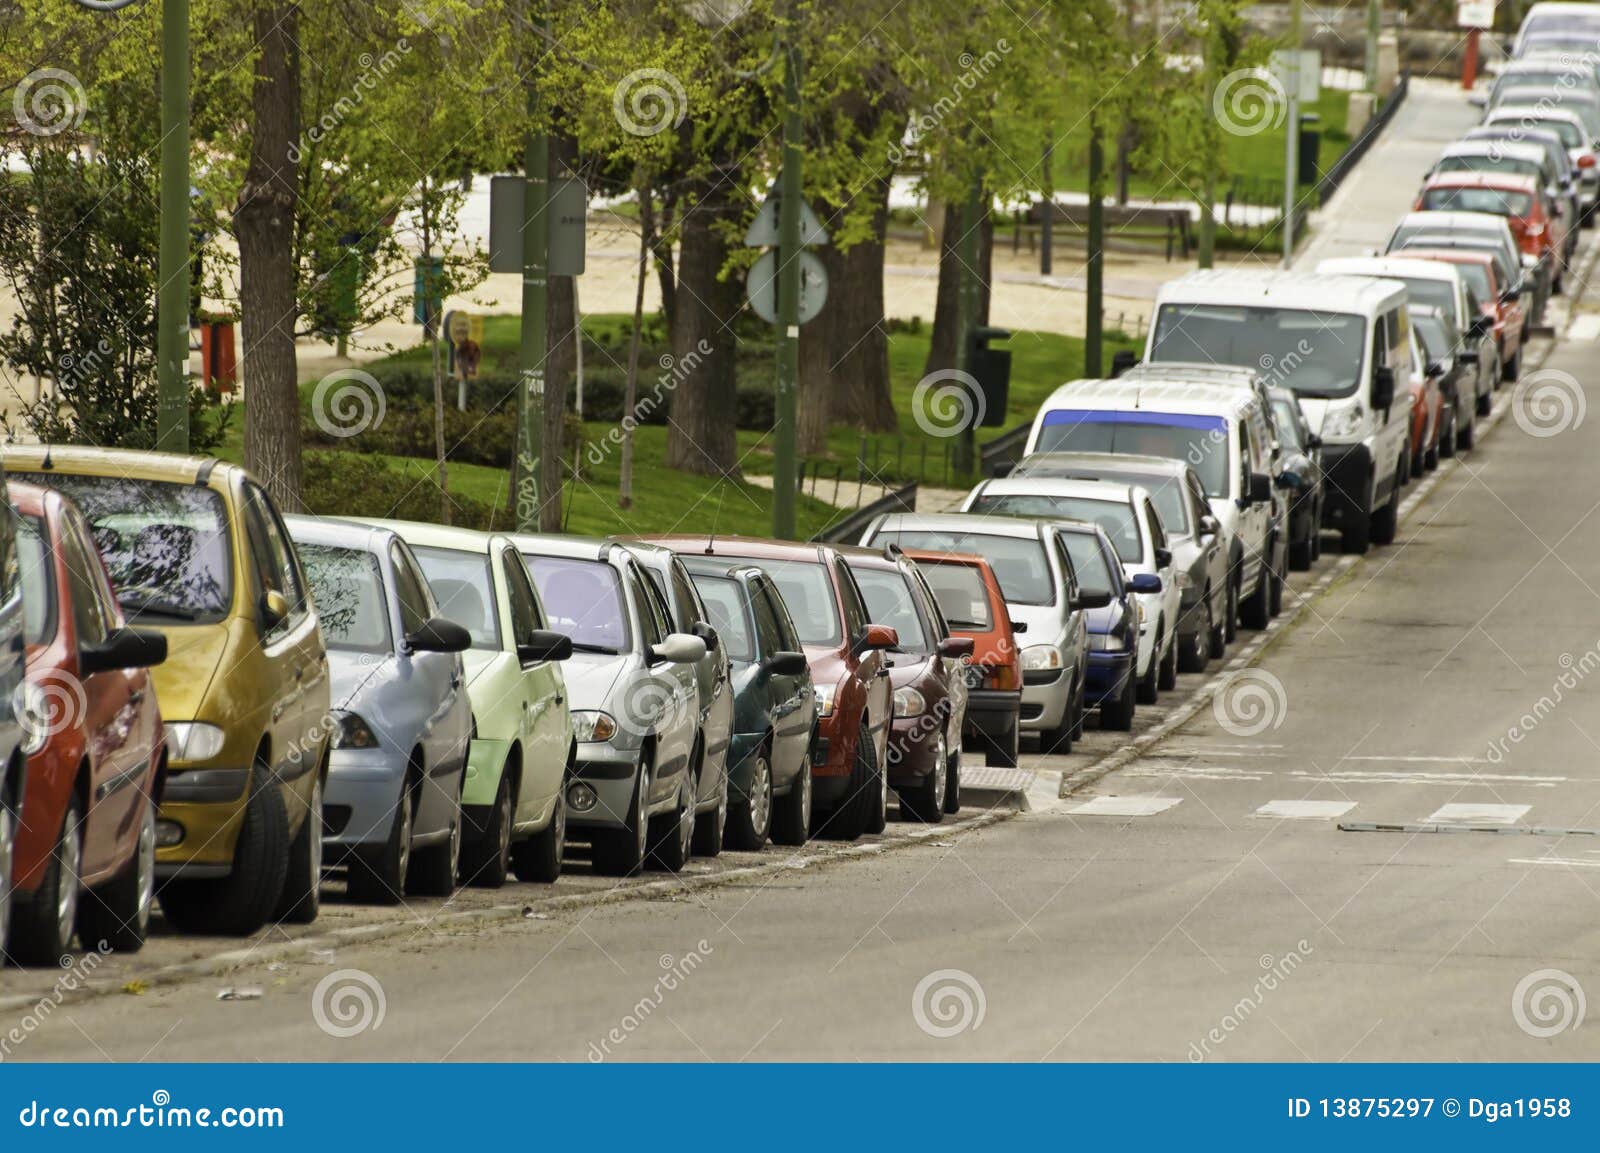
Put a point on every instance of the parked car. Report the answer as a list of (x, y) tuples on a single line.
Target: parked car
[(1128, 514), (85, 855), (197, 549), (715, 705), (1575, 136), (1549, 17), (1455, 363), (774, 704), (1427, 410), (970, 600), (635, 703), (1537, 224), (1481, 232), (1506, 148), (1199, 553), (849, 672), (401, 721), (523, 749), (1302, 472), (1500, 304), (13, 756), (1042, 599), (1114, 627), (929, 680)]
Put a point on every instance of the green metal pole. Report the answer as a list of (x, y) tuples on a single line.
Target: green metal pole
[(785, 476), (968, 293), (1374, 30), (172, 300), (535, 285), (1094, 315)]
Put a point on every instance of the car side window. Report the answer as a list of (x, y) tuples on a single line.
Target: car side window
[(651, 626), (930, 605), (1158, 533), (270, 542), (520, 599), (768, 630), (685, 600), (1069, 575), (411, 590), (788, 635), (88, 615)]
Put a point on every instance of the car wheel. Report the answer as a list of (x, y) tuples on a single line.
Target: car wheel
[(42, 926), (1230, 626), (1118, 714), (925, 803), (538, 859), (952, 783), (378, 877), (1080, 704), (435, 868), (750, 821), (488, 854), (672, 836), (1196, 655), (117, 915), (1430, 457), (1300, 551), (791, 814), (709, 828), (1512, 369), (1485, 401), (1468, 434), (1451, 436), (1275, 590), (1386, 521), (1169, 668), (620, 852), (854, 814), (1219, 629), (1355, 534), (301, 900), (878, 811), (240, 903), (1150, 683), (1255, 613)]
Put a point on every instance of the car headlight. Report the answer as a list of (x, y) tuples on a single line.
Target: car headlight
[(1107, 643), (824, 695), (34, 716), (1342, 422), (1036, 657), (351, 731), (193, 740), (590, 726), (909, 703)]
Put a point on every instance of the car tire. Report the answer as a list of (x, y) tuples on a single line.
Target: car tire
[(1117, 715), (241, 902), (1219, 629), (791, 813), (1230, 626), (379, 876), (1430, 458), (750, 821), (710, 828), (537, 860), (1167, 681), (488, 851), (301, 899), (952, 783), (620, 852), (1150, 684), (1511, 369), (42, 925), (1449, 439), (8, 851), (1301, 552), (1196, 655), (1386, 521), (1485, 402), (1280, 577), (1468, 435), (853, 816), (1256, 612), (878, 806), (435, 868), (925, 802), (1058, 741), (672, 835)]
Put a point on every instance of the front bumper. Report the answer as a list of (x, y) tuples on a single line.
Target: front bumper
[(361, 797), (1346, 482), (913, 742), (1107, 678), (612, 773), (1044, 706), (208, 806)]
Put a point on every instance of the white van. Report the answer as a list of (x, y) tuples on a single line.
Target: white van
[(1341, 344), (1222, 432)]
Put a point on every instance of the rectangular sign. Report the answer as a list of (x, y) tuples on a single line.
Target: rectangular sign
[(567, 212), (1475, 13)]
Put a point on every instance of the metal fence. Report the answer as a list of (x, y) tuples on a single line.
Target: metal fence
[(849, 529)]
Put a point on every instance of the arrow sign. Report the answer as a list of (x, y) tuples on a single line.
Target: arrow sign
[(763, 231)]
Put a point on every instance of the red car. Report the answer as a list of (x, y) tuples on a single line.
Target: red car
[(849, 673), (1496, 300), (1427, 413), (86, 849), (1537, 224)]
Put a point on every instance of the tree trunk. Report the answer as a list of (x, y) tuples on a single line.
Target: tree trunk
[(655, 227), (561, 362), (630, 395), (946, 319), (701, 437), (264, 223)]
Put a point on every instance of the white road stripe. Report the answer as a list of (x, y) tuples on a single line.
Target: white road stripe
[(1421, 778), (1305, 810), (1475, 814), (1133, 806), (1575, 862), (1586, 327)]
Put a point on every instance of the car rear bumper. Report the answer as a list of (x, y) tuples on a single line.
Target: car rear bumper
[(1347, 482), (1107, 678), (991, 712)]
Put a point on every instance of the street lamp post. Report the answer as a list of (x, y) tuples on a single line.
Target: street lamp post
[(785, 475), (535, 289)]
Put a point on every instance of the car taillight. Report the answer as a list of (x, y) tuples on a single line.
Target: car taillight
[(1586, 160), (1004, 677)]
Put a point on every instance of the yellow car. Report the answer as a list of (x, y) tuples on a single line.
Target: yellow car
[(196, 549)]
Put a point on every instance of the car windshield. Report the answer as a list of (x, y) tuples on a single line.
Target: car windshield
[(1089, 563), (1115, 516), (165, 544), (347, 586), (1440, 294), (725, 612), (808, 593), (963, 597), (1199, 441), (1313, 353), (1477, 278), (1285, 410), (464, 590), (1497, 201), (1438, 339), (889, 603), (582, 598), (38, 582), (1511, 165), (1018, 562)]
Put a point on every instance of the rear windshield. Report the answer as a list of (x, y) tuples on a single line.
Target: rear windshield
[(1511, 165), (1491, 200), (1199, 441), (582, 598), (347, 587), (1441, 294), (464, 590), (1018, 562), (963, 597), (1566, 129), (889, 603), (1116, 517), (725, 612), (38, 581), (808, 593)]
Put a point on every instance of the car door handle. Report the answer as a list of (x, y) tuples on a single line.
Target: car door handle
[(136, 697), (560, 700)]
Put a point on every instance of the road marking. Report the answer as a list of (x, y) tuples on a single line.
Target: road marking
[(1402, 777), (1573, 862), (1134, 806), (1152, 767), (1469, 813), (1586, 327), (1305, 810)]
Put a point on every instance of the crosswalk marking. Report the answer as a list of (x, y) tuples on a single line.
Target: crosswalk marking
[(1573, 862), (1404, 777), (1586, 327), (1305, 810), (1131, 806), (1476, 814)]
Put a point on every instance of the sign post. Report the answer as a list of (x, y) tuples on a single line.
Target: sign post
[(1474, 16)]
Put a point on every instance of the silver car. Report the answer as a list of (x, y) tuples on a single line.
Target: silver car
[(1047, 609), (399, 715), (634, 701)]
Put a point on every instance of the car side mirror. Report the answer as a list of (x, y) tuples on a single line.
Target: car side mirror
[(956, 648), (874, 638), (124, 648), (677, 649), (1382, 386), (1260, 488), (1144, 582), (1019, 626), (1092, 600), (707, 633), (274, 609), (1163, 557), (1210, 525), (785, 664), (439, 635), (544, 645), (1122, 360), (1291, 480)]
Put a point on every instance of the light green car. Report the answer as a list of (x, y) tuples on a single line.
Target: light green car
[(522, 747)]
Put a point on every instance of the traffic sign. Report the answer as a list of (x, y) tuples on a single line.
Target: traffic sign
[(761, 286), (764, 232), (567, 212)]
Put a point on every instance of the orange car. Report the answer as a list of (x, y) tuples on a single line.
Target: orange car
[(969, 596), (1537, 224), (1498, 302)]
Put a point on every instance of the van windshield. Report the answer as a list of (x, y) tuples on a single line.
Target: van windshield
[(1310, 352), (1199, 441)]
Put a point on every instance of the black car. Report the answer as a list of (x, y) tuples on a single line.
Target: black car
[(1448, 357), (1300, 454)]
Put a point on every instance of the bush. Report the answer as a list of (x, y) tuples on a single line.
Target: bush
[(353, 484), (471, 437)]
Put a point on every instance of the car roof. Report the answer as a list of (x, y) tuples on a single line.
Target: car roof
[(1192, 370), (1110, 462), (751, 547), (972, 524), (1505, 110), (1498, 181), (1154, 396), (428, 535), (567, 547), (1390, 266), (1283, 289), (734, 568), (1452, 255), (929, 556), (134, 464), (1481, 146), (30, 499), (1450, 221), (337, 532), (1110, 490)]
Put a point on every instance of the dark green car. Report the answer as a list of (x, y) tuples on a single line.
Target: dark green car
[(774, 708)]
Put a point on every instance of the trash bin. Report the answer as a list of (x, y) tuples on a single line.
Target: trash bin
[(219, 370), (428, 289), (1310, 145)]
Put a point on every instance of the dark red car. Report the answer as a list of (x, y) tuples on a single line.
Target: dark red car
[(849, 674), (86, 849), (929, 680), (1499, 302)]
